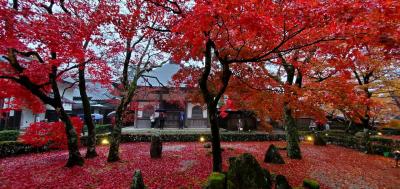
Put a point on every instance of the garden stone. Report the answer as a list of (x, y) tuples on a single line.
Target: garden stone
[(245, 172), (207, 145), (282, 183), (216, 181), (156, 146), (272, 155), (319, 140), (137, 182)]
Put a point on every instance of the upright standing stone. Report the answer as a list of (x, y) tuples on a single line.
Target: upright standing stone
[(156, 146), (282, 183), (245, 172), (272, 155), (137, 182), (319, 140)]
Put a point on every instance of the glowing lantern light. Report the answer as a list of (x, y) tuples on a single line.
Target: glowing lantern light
[(105, 141), (309, 138), (202, 139), (379, 133)]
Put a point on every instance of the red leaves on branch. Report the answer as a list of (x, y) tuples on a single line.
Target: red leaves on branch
[(39, 134)]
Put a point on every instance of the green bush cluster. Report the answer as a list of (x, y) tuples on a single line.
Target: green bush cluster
[(215, 181), (9, 135), (310, 184), (195, 137), (390, 131), (100, 129), (11, 148)]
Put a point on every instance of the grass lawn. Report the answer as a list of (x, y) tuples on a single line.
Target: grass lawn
[(188, 164)]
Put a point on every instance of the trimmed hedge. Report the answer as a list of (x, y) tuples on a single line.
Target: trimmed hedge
[(9, 135), (100, 129), (196, 137), (11, 148), (390, 131), (228, 137)]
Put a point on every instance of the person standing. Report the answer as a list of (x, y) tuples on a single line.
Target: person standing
[(396, 155), (181, 120), (162, 120), (152, 121)]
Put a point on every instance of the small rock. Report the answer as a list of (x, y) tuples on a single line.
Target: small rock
[(282, 183), (272, 156), (207, 145), (137, 182)]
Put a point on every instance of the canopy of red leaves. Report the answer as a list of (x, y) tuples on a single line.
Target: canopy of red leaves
[(53, 133), (188, 165)]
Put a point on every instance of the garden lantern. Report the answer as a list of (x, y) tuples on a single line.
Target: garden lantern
[(202, 139), (105, 141)]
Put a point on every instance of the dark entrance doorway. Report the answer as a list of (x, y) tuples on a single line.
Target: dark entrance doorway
[(172, 112)]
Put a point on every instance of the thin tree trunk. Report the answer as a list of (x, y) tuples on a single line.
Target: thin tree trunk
[(91, 140), (292, 136), (113, 154), (75, 157), (212, 101), (215, 140)]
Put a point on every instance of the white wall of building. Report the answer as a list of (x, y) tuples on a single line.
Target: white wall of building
[(27, 117), (190, 108)]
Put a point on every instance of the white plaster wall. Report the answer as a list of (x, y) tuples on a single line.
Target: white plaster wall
[(205, 113), (190, 107), (189, 110), (27, 117)]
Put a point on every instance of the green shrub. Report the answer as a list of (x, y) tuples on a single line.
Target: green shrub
[(380, 149), (100, 129), (215, 181), (12, 148), (9, 135), (381, 140), (390, 131), (310, 184)]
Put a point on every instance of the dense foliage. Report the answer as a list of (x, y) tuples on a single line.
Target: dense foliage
[(52, 134)]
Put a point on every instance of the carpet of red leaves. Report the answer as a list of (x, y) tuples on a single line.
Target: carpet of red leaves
[(186, 165)]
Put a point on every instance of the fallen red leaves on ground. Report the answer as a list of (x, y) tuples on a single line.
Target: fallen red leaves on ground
[(187, 165)]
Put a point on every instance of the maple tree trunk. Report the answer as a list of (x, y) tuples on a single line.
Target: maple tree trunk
[(91, 139), (215, 139), (212, 101), (292, 136), (74, 156), (113, 154)]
